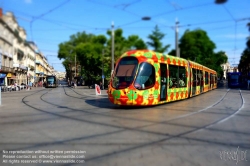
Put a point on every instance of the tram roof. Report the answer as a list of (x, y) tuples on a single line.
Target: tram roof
[(160, 57), (149, 54)]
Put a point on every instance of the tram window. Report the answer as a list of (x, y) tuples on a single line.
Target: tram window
[(182, 77), (199, 77), (177, 76), (211, 78), (194, 77), (146, 76), (206, 78)]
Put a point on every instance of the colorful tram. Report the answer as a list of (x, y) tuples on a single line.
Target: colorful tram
[(144, 77), (51, 81)]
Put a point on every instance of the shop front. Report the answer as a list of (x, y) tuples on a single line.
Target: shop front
[(11, 79), (2, 79)]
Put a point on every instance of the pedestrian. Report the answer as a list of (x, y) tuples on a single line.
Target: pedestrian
[(101, 86), (75, 85), (30, 85), (15, 86)]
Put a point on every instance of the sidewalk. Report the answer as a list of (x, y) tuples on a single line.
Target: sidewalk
[(90, 91), (21, 90)]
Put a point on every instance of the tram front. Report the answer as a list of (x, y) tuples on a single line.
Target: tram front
[(131, 82)]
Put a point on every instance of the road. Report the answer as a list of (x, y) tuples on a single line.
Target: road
[(210, 129)]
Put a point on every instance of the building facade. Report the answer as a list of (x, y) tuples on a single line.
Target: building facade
[(228, 68), (19, 57)]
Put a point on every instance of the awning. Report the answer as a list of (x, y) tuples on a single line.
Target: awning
[(9, 75), (2, 75), (12, 77)]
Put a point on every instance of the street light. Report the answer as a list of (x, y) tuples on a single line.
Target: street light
[(220, 1), (112, 51), (146, 18)]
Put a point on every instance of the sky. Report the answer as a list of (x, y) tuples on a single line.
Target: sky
[(51, 22)]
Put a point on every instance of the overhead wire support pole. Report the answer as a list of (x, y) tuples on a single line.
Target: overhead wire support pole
[(112, 48), (75, 64), (176, 38), (102, 70)]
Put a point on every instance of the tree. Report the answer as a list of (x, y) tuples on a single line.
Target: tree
[(244, 65), (122, 45), (155, 40), (89, 49), (197, 46), (218, 59)]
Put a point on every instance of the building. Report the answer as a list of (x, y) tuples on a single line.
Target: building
[(21, 62), (226, 67)]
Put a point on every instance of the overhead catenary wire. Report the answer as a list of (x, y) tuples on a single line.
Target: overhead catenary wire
[(42, 15), (125, 8)]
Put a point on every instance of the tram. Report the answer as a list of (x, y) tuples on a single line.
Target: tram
[(234, 79), (144, 77), (51, 82)]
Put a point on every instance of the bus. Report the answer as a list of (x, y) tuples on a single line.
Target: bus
[(145, 77), (234, 79), (51, 81)]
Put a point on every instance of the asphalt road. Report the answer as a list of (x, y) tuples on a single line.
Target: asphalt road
[(62, 124)]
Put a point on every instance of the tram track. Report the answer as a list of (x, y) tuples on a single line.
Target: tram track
[(153, 123), (169, 136), (183, 135)]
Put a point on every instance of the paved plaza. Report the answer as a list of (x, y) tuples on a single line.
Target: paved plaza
[(209, 129)]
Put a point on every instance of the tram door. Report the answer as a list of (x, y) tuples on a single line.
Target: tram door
[(194, 83), (211, 81), (163, 77)]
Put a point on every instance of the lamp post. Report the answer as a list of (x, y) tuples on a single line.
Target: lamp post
[(75, 64), (112, 51)]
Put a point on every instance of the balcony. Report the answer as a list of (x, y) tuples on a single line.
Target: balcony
[(7, 69), (38, 62)]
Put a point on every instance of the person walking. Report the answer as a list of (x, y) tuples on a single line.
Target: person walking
[(30, 85)]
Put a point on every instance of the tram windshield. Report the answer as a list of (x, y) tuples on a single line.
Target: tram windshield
[(50, 80), (234, 78), (125, 72), (145, 77)]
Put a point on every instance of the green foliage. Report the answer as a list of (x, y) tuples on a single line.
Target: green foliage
[(94, 53), (155, 40), (244, 65), (197, 46), (245, 60)]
